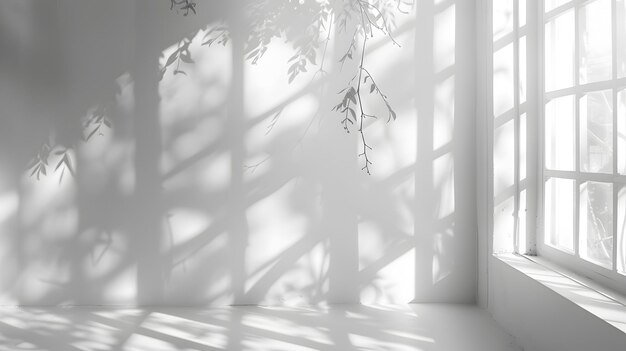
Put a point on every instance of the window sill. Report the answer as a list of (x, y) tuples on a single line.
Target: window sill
[(603, 303)]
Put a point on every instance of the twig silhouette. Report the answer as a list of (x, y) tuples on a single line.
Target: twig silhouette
[(184, 5)]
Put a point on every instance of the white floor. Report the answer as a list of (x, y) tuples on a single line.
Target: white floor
[(340, 327)]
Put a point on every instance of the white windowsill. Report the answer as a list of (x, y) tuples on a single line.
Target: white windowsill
[(599, 301)]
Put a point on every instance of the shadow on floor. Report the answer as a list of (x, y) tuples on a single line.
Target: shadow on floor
[(433, 327)]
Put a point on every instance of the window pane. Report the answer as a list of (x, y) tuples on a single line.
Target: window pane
[(621, 230), (552, 4), (504, 225), (595, 41), (504, 158), (523, 146), (596, 223), (522, 13), (522, 70), (559, 213), (521, 217), (559, 127), (503, 82), (502, 18), (621, 132), (596, 132), (559, 57), (621, 38)]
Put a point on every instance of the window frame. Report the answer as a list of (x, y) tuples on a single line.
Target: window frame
[(609, 277)]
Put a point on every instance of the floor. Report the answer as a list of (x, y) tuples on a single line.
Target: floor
[(341, 327)]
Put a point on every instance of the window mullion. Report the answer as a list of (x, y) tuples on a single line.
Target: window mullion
[(577, 128), (615, 104), (558, 10), (541, 138), (516, 121), (585, 88), (534, 178), (615, 217)]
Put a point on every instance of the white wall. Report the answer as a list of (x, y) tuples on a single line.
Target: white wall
[(169, 207)]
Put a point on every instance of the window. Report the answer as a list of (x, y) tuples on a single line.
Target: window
[(512, 188), (584, 145), (558, 93)]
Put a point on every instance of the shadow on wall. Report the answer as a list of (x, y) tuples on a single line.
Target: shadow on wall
[(232, 183), (445, 225)]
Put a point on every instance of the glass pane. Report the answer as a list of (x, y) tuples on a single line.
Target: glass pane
[(560, 131), (552, 4), (559, 213), (504, 158), (596, 132), (596, 223), (523, 146), (503, 81), (522, 70), (522, 12), (621, 38), (595, 41), (621, 132), (521, 217), (621, 230), (559, 57), (502, 18), (504, 225)]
